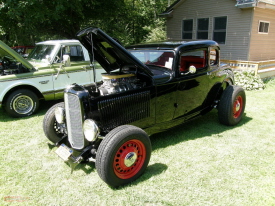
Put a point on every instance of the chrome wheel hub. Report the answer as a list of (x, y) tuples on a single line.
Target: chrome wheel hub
[(22, 104), (130, 159), (237, 106)]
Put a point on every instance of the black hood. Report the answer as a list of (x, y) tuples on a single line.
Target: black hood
[(108, 52)]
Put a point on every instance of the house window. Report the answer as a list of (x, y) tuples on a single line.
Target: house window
[(263, 27), (202, 31), (219, 34), (187, 29)]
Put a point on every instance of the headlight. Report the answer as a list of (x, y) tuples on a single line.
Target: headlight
[(91, 130), (59, 115)]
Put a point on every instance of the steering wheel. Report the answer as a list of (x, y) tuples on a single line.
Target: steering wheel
[(56, 59)]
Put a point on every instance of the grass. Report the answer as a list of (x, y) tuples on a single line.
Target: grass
[(199, 163)]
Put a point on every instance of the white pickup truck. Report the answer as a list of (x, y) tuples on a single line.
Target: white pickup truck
[(48, 70)]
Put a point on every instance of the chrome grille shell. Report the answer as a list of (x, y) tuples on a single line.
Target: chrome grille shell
[(74, 118)]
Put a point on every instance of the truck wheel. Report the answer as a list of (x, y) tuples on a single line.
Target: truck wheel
[(21, 103), (123, 155), (52, 129), (232, 105)]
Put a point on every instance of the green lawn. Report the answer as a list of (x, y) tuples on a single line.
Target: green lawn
[(199, 163)]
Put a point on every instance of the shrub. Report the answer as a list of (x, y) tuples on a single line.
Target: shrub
[(248, 80)]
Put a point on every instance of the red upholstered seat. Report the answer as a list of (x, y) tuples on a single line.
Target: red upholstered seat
[(187, 61)]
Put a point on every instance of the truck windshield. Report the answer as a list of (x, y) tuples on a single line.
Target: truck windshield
[(40, 52), (153, 57)]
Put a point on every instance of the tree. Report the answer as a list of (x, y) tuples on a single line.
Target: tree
[(130, 21), (33, 18), (143, 18)]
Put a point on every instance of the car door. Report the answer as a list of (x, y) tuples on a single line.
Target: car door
[(192, 88), (76, 71)]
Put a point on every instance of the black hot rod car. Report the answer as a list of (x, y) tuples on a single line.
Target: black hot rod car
[(146, 89)]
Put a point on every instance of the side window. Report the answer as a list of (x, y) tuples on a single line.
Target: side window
[(213, 56), (75, 52), (195, 58)]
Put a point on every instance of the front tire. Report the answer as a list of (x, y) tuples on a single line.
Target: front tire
[(21, 103), (123, 155), (52, 129), (232, 105)]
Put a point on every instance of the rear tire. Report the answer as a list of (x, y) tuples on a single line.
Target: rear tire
[(123, 155), (52, 129), (232, 105)]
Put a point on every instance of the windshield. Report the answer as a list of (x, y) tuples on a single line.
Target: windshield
[(40, 52), (153, 57)]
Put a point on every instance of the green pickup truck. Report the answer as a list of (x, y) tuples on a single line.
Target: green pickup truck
[(48, 70)]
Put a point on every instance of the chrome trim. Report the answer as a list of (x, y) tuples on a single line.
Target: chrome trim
[(74, 120)]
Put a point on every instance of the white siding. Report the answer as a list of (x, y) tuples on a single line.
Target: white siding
[(238, 24)]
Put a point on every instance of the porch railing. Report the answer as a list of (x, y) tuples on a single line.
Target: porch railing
[(261, 68)]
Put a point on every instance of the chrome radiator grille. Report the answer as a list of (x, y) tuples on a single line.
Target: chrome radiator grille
[(124, 110), (74, 120)]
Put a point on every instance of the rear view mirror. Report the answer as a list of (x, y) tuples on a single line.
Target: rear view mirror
[(66, 60)]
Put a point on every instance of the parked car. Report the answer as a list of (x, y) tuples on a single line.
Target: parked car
[(147, 89), (23, 50), (43, 75)]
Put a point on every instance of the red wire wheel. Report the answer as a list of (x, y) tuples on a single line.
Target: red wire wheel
[(238, 107), (129, 159)]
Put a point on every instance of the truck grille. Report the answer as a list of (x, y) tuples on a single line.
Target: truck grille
[(74, 120), (124, 110)]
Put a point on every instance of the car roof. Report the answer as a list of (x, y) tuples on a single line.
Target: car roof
[(172, 45), (63, 41)]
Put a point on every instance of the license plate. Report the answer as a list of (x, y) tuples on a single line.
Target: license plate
[(64, 152)]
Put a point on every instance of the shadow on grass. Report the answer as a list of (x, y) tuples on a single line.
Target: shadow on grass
[(87, 167), (206, 125), (151, 171)]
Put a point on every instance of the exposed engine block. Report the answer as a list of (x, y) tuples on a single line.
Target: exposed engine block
[(116, 83)]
